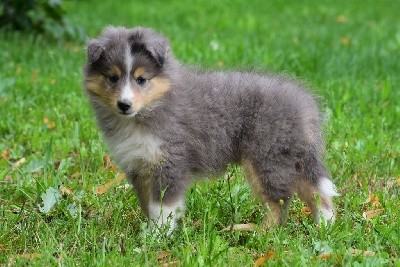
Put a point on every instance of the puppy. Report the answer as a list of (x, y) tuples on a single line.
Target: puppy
[(166, 125)]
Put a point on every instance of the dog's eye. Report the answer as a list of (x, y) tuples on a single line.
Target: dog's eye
[(140, 80), (113, 79)]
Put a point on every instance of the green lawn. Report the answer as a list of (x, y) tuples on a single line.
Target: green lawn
[(347, 51)]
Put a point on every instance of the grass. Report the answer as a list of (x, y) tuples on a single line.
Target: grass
[(347, 51)]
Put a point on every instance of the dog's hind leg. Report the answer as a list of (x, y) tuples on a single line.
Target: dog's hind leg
[(318, 198), (315, 188), (276, 196), (326, 190)]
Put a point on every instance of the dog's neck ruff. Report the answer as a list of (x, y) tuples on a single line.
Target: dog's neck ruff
[(131, 144)]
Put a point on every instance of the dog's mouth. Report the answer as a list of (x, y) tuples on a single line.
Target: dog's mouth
[(127, 114)]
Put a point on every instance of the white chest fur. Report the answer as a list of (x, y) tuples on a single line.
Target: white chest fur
[(131, 146)]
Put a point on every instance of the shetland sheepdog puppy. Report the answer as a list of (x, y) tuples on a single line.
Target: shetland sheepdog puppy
[(167, 125)]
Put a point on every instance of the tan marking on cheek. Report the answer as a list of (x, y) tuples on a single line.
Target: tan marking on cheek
[(158, 88), (96, 85), (115, 70), (139, 72)]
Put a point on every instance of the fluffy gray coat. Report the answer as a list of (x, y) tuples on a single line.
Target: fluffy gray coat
[(167, 124)]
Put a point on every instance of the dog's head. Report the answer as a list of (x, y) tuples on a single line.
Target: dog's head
[(125, 69)]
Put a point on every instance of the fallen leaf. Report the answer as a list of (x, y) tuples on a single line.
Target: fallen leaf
[(50, 124), (264, 258), (19, 162), (101, 189), (374, 200), (162, 255), (66, 191), (107, 164), (341, 19), (260, 261), (372, 213), (356, 252), (324, 256), (398, 181), (241, 227), (306, 211), (345, 41), (106, 161), (5, 154)]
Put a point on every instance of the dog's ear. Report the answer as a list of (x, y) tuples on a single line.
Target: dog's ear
[(94, 50), (159, 50), (148, 41)]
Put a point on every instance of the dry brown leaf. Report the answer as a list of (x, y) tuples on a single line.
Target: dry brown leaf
[(341, 19), (241, 227), (264, 258), (374, 200), (5, 154), (106, 161), (162, 255), (19, 162), (306, 211), (171, 264), (66, 191), (260, 261), (372, 213), (107, 164), (324, 256), (356, 252), (50, 124), (398, 181), (101, 189), (345, 41)]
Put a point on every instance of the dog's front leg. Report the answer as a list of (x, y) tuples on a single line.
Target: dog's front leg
[(166, 204)]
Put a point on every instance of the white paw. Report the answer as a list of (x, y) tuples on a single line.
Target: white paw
[(163, 215)]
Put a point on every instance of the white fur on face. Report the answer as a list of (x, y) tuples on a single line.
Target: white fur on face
[(128, 60), (327, 190), (126, 90), (163, 214)]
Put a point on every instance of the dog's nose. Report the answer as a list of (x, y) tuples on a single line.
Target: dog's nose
[(124, 104)]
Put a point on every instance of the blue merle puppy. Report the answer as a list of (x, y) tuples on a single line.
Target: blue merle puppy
[(167, 124)]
